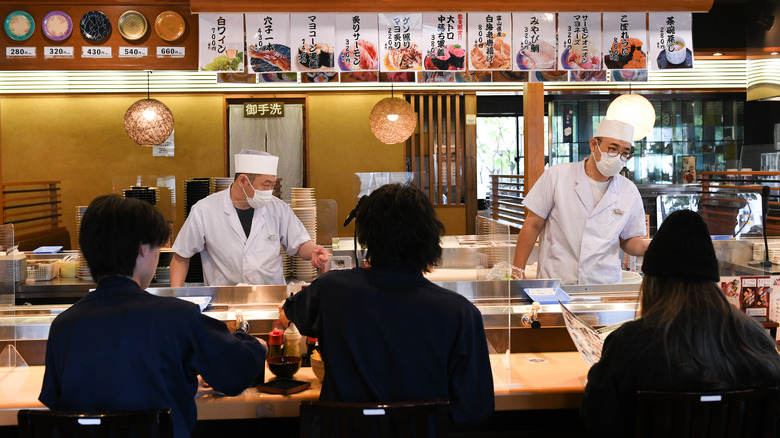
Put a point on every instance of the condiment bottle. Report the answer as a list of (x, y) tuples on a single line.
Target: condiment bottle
[(292, 341), (310, 346), (276, 339)]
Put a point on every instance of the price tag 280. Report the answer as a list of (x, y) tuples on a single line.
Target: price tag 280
[(174, 52), (96, 52), (55, 52), (19, 52), (133, 52)]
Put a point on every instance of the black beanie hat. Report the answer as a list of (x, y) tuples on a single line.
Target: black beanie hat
[(682, 249)]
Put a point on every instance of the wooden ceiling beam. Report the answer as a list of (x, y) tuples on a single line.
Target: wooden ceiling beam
[(210, 6)]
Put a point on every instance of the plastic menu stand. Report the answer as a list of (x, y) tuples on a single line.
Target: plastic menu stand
[(547, 295)]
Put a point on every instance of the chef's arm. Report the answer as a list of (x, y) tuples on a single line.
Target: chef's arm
[(179, 268), (311, 251), (635, 246), (527, 238)]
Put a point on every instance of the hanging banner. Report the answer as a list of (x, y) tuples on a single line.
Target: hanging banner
[(357, 42), (221, 40), (445, 36), (671, 39), (534, 41), (490, 48), (268, 42), (313, 38), (402, 41), (624, 40), (579, 41)]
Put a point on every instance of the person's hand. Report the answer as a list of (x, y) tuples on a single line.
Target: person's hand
[(282, 316), (204, 388), (319, 257), (517, 273)]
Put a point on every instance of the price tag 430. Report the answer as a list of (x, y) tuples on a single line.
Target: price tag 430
[(96, 52), (19, 52), (174, 52), (133, 52), (55, 52)]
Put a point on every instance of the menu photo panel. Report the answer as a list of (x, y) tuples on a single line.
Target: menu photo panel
[(268, 42), (357, 42), (401, 41), (534, 41), (221, 40), (490, 45), (624, 40), (579, 41), (445, 37), (313, 38), (671, 39)]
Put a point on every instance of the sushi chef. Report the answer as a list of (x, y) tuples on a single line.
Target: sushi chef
[(239, 231), (585, 212)]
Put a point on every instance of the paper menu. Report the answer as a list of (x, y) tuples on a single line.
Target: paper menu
[(268, 42), (313, 39), (731, 287), (357, 42), (400, 41), (490, 45), (774, 304), (445, 37), (221, 40), (533, 41), (624, 40), (579, 41), (588, 340), (754, 296), (671, 40)]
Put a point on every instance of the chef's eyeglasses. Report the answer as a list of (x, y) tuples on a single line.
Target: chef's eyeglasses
[(625, 156)]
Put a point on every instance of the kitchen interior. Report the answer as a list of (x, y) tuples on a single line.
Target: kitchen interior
[(61, 133)]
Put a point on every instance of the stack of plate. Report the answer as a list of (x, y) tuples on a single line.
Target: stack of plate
[(148, 194), (83, 269), (774, 251), (305, 207), (220, 183), (195, 189)]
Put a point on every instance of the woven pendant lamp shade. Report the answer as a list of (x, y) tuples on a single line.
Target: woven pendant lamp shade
[(634, 110), (148, 122), (400, 124)]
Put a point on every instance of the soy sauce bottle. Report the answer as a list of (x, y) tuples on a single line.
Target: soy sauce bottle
[(311, 343), (276, 339)]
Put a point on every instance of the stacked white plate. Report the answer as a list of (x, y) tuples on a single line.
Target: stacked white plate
[(304, 205), (774, 251), (220, 183)]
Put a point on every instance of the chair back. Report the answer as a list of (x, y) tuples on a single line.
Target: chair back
[(420, 419), (153, 423), (742, 413)]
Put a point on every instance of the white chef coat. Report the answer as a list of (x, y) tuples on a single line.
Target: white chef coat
[(580, 241), (228, 256)]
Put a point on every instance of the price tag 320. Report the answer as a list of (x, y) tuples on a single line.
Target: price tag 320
[(58, 52), (133, 52), (96, 52)]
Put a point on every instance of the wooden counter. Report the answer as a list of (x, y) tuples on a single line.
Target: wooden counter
[(530, 381)]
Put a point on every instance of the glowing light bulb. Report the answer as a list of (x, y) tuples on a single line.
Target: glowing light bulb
[(392, 117), (149, 115)]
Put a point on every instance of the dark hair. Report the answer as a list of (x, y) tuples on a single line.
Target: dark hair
[(398, 224), (112, 230), (706, 339)]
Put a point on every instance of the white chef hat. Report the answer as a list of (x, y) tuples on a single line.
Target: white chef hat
[(615, 129), (257, 162)]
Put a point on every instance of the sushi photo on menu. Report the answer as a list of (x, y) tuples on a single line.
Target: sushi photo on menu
[(489, 41), (579, 41), (400, 36), (446, 35), (314, 38), (357, 37), (533, 39), (268, 42)]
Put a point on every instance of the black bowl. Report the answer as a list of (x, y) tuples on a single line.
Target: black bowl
[(284, 367)]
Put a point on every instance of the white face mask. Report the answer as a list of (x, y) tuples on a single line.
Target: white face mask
[(261, 198), (609, 166)]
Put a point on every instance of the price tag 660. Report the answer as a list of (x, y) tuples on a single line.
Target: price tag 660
[(174, 52), (19, 52), (133, 52), (96, 52)]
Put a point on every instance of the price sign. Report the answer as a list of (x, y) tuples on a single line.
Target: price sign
[(19, 52), (173, 52), (133, 52), (96, 52), (58, 52)]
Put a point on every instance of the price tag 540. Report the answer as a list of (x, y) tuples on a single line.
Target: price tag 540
[(133, 52)]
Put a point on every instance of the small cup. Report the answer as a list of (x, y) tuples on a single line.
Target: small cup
[(676, 52), (69, 269)]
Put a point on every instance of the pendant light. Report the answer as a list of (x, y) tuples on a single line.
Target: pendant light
[(392, 120), (148, 122), (635, 110)]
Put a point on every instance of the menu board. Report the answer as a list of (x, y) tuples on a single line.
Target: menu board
[(445, 36), (489, 43), (579, 41), (313, 37), (357, 42), (268, 42), (624, 40), (533, 40), (221, 42), (401, 41), (671, 39)]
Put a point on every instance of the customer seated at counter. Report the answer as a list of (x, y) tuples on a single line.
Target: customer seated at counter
[(122, 348), (689, 337), (388, 334)]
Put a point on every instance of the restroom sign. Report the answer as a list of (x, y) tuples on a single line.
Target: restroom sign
[(263, 109)]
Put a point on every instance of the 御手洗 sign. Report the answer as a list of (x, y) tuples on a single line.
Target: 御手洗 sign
[(263, 109)]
